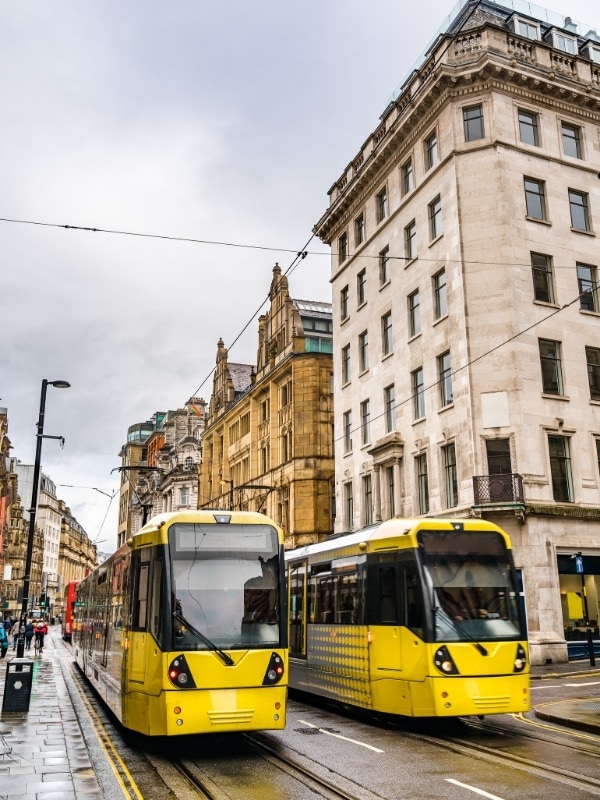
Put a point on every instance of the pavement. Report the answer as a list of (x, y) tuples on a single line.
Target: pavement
[(51, 752)]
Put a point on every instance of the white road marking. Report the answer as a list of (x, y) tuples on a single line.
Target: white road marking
[(589, 683), (339, 736), (473, 789)]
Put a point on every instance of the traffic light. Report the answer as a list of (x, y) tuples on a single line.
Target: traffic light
[(43, 600)]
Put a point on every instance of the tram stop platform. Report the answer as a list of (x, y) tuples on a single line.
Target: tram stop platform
[(51, 752)]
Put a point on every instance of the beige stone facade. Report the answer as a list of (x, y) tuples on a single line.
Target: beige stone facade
[(267, 445), (464, 269)]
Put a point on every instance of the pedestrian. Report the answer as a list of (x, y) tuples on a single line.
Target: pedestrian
[(14, 632), (3, 641), (41, 629), (7, 623), (29, 631)]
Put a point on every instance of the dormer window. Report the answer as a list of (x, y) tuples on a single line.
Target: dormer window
[(561, 41), (526, 27), (591, 51)]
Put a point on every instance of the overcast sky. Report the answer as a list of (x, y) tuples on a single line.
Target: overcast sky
[(223, 121)]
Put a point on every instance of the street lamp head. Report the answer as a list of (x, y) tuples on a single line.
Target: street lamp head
[(60, 384)]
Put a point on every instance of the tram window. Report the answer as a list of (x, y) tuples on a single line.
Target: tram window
[(413, 601), (336, 598), (388, 596), (156, 601), (296, 578), (141, 586)]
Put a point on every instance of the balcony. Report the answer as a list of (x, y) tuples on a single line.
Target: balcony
[(498, 489)]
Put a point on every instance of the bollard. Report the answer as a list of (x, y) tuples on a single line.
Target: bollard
[(17, 687)]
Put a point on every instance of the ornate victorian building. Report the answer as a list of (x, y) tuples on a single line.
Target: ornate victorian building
[(159, 466), (267, 444)]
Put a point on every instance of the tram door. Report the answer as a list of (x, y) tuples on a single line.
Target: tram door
[(396, 608), (297, 604)]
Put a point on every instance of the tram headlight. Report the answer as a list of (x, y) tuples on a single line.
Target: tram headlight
[(274, 671), (179, 673), (520, 659), (443, 661)]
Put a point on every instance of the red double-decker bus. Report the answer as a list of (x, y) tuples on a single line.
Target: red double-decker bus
[(67, 621)]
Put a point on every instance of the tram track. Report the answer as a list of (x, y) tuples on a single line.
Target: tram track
[(294, 776), (490, 754)]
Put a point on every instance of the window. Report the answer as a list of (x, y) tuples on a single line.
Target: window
[(529, 127), (389, 405), (384, 266), (418, 393), (347, 431), (580, 215), (410, 240), (407, 177), (286, 445), (560, 468), (498, 456), (381, 205), (592, 357), (431, 150), (343, 247), (265, 410), (565, 43), (414, 313), (361, 287), (390, 492), (387, 338), (587, 281), (435, 218), (348, 506), (363, 351), (367, 491), (535, 199), (286, 394), (473, 123), (344, 303), (365, 422), (543, 282), (530, 30), (440, 294), (571, 139), (359, 229), (450, 474), (422, 483), (445, 379), (550, 359), (188, 463), (345, 364), (184, 496)]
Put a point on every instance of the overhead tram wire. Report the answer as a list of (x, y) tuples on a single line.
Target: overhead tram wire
[(267, 248), (164, 237)]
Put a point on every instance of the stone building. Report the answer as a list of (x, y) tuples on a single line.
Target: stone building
[(466, 313), (267, 444), (160, 465)]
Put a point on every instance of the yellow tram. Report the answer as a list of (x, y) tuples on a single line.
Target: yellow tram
[(420, 618), (184, 629)]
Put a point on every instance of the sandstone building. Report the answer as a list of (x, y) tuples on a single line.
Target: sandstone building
[(267, 444), (466, 312)]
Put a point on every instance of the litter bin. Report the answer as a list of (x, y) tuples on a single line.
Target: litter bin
[(17, 687)]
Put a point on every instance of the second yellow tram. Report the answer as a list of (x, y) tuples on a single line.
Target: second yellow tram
[(420, 618)]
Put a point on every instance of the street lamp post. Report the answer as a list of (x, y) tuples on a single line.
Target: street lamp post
[(33, 509)]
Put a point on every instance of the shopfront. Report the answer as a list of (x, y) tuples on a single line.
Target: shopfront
[(579, 576)]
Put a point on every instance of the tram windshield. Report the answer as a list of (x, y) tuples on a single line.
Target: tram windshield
[(472, 582), (225, 586)]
